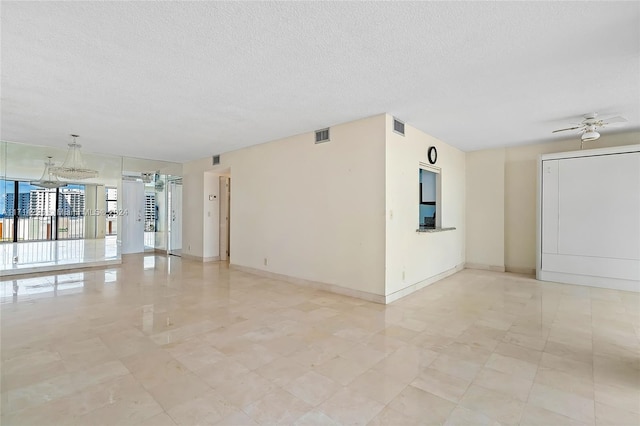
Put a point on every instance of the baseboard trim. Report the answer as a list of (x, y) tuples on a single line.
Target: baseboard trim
[(483, 267), (590, 281), (398, 294), (200, 258), (520, 270), (332, 288)]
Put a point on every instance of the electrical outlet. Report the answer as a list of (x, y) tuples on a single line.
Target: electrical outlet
[(266, 262)]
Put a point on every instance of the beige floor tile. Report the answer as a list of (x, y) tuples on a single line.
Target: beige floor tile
[(341, 370), (179, 390), (455, 367), (90, 355), (435, 342), (562, 402), (245, 388), (221, 372), (62, 386), (313, 388), (316, 417), (21, 376), (461, 416), (531, 342), (124, 343), (616, 372), (377, 386), (195, 353), (399, 333), (567, 365), (536, 416), (339, 407), (512, 366), (508, 384), (624, 398), (364, 355), (278, 407), (519, 352), (607, 415), (162, 419), (281, 371), (441, 384), (422, 405), (565, 351), (389, 416), (467, 352), (238, 418), (383, 343), (496, 405), (79, 355), (398, 367), (154, 368), (565, 381), (123, 412)]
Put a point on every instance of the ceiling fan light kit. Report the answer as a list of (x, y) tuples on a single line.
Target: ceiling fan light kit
[(589, 126), (590, 135)]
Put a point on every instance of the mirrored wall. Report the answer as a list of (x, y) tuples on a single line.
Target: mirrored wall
[(78, 213)]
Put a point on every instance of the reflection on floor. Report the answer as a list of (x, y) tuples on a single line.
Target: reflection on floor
[(161, 340), (39, 256)]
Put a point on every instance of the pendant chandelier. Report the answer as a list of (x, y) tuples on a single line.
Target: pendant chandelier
[(48, 179), (74, 166)]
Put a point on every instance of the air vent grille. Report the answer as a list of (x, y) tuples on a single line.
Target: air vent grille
[(398, 126), (216, 159), (322, 135)]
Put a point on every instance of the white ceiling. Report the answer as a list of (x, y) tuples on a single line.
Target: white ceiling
[(179, 81)]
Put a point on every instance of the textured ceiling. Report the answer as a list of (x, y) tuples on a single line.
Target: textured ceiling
[(179, 81)]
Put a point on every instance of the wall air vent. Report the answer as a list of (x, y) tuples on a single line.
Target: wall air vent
[(398, 126), (322, 135), (216, 159)]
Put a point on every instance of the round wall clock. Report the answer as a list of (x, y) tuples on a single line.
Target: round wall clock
[(432, 154)]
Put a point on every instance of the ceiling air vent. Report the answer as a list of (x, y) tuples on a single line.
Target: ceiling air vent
[(216, 159), (398, 126), (322, 135)]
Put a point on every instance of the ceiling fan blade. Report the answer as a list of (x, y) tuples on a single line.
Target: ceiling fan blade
[(570, 128), (614, 120)]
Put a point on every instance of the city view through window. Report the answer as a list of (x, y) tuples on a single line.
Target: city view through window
[(31, 213)]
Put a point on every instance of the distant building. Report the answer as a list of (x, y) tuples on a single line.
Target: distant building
[(71, 202), (23, 203)]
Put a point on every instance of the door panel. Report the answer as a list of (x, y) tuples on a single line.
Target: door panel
[(132, 222)]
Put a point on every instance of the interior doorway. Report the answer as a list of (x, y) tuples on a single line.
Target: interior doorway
[(174, 204)]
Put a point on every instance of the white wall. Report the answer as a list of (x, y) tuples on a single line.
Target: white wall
[(192, 212), (485, 209), (519, 186), (315, 212), (413, 258)]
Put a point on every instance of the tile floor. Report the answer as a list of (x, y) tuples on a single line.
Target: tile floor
[(165, 341)]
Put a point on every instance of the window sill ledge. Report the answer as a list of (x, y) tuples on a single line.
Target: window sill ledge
[(430, 230)]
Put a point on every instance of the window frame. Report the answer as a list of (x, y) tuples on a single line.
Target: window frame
[(438, 189)]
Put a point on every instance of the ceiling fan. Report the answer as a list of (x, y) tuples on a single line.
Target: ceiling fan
[(588, 127)]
